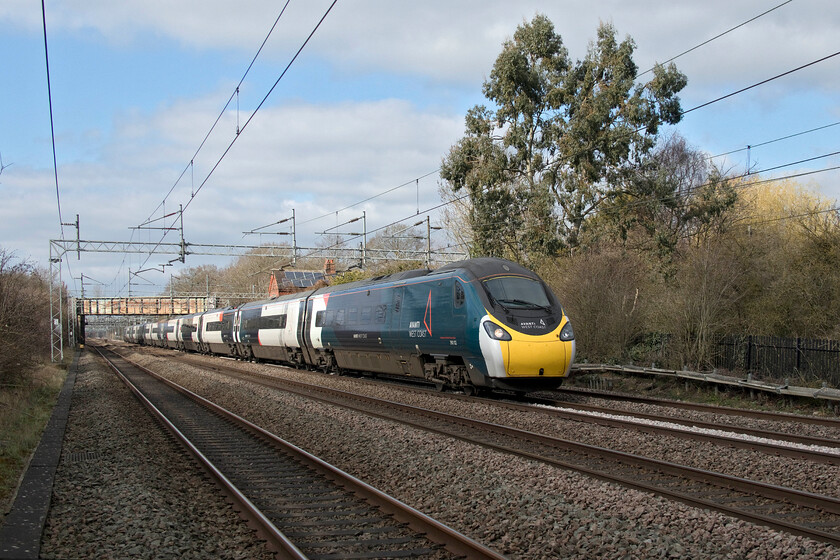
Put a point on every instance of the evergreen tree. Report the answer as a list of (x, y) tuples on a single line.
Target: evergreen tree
[(561, 139)]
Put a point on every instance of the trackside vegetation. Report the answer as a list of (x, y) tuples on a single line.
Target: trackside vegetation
[(655, 252), (28, 388), (24, 411)]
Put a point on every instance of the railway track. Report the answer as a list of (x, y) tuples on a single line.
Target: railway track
[(698, 407), (786, 509), (811, 448), (304, 507)]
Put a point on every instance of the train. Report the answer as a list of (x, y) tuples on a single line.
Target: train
[(477, 325)]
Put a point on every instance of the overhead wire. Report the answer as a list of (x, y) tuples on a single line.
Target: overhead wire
[(52, 120), (383, 193), (259, 106), (250, 118), (52, 136), (690, 191), (774, 140), (718, 36), (191, 164), (233, 95), (835, 209), (742, 90)]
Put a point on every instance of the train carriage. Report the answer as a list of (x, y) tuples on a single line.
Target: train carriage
[(171, 333), (217, 331), (157, 334), (188, 335), (268, 329)]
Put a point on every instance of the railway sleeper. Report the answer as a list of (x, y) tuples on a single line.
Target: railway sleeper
[(350, 532)]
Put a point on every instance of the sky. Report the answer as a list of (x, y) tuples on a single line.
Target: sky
[(374, 100)]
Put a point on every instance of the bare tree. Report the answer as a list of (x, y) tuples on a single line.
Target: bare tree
[(608, 294), (676, 197), (455, 218), (703, 300), (397, 242), (24, 317)]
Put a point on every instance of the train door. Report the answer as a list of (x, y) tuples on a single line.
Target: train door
[(178, 336), (304, 319), (228, 317), (237, 323), (316, 315), (288, 336), (197, 335), (457, 324)]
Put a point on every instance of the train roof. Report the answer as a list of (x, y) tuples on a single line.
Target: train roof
[(478, 268), (395, 277), (484, 267)]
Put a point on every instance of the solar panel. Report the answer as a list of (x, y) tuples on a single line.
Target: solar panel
[(300, 278)]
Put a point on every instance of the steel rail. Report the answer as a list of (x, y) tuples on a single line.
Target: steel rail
[(435, 531), (527, 403), (757, 432), (713, 409), (255, 518), (469, 428), (628, 423), (764, 447)]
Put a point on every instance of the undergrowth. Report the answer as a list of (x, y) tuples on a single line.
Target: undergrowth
[(25, 409)]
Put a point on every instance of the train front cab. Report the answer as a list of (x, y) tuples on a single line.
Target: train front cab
[(526, 340)]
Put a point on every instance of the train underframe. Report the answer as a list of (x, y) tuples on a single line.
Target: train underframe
[(442, 371)]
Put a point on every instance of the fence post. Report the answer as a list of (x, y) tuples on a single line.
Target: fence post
[(798, 355), (748, 356)]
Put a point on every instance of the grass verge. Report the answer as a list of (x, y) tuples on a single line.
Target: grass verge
[(25, 410)]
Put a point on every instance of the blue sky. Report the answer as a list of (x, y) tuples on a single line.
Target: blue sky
[(374, 101)]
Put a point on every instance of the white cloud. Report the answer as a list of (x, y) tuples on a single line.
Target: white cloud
[(313, 158), (316, 157), (458, 41)]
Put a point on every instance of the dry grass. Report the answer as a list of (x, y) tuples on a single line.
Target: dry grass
[(24, 412)]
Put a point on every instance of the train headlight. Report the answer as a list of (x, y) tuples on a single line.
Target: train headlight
[(567, 333), (495, 331)]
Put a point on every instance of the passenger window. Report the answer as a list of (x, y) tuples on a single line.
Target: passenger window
[(273, 322), (319, 319)]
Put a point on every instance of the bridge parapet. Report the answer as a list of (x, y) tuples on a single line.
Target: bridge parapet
[(144, 305)]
